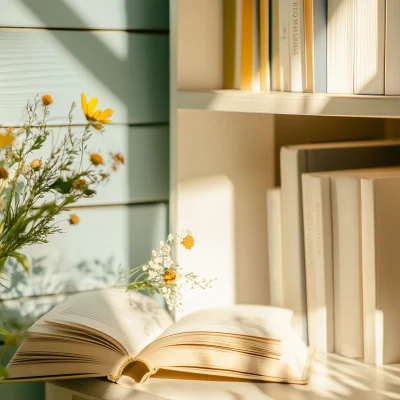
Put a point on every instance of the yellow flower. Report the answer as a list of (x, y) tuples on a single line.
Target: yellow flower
[(80, 183), (47, 99), (74, 219), (169, 276), (6, 140), (188, 242), (96, 159), (92, 115), (36, 164), (3, 173), (118, 157)]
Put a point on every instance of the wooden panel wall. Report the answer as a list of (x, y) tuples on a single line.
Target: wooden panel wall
[(118, 51)]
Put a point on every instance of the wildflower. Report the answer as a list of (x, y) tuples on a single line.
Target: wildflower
[(80, 184), (96, 117), (36, 164), (119, 158), (188, 241), (3, 173), (74, 219), (7, 139), (169, 276), (96, 159), (47, 99)]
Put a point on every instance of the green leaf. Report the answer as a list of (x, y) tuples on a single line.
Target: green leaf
[(2, 262), (62, 186), (89, 192), (3, 372), (22, 259), (3, 331), (3, 276)]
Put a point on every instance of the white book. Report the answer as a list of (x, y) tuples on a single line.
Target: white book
[(369, 63), (380, 221), (284, 51), (297, 50), (341, 46), (392, 57), (274, 223), (296, 160), (347, 267), (318, 255)]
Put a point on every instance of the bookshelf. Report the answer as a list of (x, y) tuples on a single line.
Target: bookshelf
[(287, 103), (224, 153)]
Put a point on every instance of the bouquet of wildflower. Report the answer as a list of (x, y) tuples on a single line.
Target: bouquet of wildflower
[(163, 275), (34, 190)]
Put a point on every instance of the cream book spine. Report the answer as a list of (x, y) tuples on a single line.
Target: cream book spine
[(347, 288), (319, 261), (274, 222), (296, 46), (284, 46), (340, 37), (380, 221), (369, 63), (275, 68), (392, 48)]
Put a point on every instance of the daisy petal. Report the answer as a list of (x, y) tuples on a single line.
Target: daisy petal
[(96, 115), (106, 121), (106, 113), (92, 105), (84, 103)]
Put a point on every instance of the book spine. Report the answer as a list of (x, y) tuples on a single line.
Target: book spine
[(392, 58), (256, 47), (368, 274), (229, 44), (320, 13), (309, 44), (347, 267), (369, 61), (309, 232), (265, 75), (296, 46), (292, 164), (238, 44), (284, 51), (340, 66), (247, 61), (323, 263), (274, 23), (274, 229)]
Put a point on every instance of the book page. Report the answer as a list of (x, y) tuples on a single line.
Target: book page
[(133, 319), (251, 320)]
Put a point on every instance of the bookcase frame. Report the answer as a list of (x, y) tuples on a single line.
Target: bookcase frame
[(201, 112)]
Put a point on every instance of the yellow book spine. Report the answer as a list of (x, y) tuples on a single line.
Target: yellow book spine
[(264, 45), (246, 76), (229, 43)]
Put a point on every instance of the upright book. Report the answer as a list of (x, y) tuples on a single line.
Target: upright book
[(297, 55), (299, 159), (284, 46), (380, 221), (341, 46), (113, 332), (392, 48), (369, 39), (265, 71), (315, 28)]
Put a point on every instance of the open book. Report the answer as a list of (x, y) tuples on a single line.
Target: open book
[(112, 332)]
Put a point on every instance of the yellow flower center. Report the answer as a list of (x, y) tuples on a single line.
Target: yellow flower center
[(3, 173), (36, 164), (74, 219), (6, 140), (169, 276), (188, 242), (96, 159), (47, 99)]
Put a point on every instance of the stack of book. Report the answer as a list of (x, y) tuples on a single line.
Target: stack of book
[(314, 46), (334, 246)]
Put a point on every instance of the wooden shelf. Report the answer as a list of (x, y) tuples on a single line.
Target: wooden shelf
[(290, 103)]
